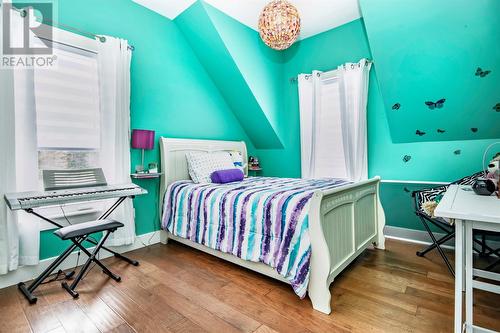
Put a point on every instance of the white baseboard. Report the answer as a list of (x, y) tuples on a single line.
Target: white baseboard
[(422, 237), (26, 273), (413, 236)]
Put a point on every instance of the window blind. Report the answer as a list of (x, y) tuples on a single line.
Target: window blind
[(67, 101), (330, 158)]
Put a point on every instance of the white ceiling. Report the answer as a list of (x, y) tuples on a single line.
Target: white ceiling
[(316, 15)]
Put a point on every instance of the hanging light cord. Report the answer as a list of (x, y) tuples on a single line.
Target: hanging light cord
[(484, 166)]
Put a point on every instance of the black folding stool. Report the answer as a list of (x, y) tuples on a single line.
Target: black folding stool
[(430, 194), (78, 233)]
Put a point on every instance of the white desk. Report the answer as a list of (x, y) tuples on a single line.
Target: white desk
[(469, 211)]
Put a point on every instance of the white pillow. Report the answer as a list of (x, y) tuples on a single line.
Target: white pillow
[(201, 164)]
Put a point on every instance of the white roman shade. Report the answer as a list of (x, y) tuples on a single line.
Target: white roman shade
[(67, 101), (322, 149), (329, 148)]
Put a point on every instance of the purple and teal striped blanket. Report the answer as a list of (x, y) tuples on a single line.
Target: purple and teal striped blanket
[(259, 219)]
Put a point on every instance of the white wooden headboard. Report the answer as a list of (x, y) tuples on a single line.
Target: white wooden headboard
[(173, 156)]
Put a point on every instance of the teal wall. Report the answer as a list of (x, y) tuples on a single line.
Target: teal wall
[(427, 50), (180, 88)]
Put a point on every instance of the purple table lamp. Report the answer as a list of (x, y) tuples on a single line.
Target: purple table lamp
[(143, 139)]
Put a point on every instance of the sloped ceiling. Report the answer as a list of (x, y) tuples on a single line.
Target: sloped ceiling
[(317, 15), (438, 70), (223, 57)]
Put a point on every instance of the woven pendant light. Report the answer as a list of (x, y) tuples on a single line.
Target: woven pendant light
[(279, 24)]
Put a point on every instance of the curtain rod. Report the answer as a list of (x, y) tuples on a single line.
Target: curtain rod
[(55, 24), (295, 79)]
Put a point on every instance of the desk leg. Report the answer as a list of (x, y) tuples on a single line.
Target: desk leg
[(469, 309), (459, 269)]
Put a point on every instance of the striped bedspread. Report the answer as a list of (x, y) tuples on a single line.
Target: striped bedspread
[(259, 219)]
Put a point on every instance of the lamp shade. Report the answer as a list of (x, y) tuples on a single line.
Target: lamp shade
[(279, 24), (143, 139)]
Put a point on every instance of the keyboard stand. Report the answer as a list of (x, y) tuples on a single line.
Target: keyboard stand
[(28, 290)]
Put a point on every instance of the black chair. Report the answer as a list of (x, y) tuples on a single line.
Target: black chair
[(430, 194)]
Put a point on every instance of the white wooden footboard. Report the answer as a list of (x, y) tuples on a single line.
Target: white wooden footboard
[(343, 223)]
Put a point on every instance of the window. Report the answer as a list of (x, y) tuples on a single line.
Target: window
[(329, 147), (321, 126), (67, 110), (68, 118)]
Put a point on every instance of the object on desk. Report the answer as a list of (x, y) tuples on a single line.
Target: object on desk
[(152, 168), (145, 140), (494, 170), (492, 173), (483, 186), (67, 187)]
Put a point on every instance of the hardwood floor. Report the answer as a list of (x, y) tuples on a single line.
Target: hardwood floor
[(179, 289)]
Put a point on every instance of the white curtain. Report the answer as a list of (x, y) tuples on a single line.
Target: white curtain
[(114, 59), (19, 232), (309, 93), (333, 122), (354, 79), (9, 249)]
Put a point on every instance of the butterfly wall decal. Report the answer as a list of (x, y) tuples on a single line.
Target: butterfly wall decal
[(481, 73), (440, 131), (419, 133), (497, 107), (435, 105), (474, 129), (396, 106), (457, 152), (406, 158)]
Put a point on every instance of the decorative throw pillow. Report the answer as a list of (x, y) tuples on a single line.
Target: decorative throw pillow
[(237, 158), (201, 164), (227, 176)]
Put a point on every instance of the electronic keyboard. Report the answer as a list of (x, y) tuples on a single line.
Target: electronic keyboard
[(28, 200)]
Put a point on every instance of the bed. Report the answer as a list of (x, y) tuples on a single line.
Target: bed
[(343, 219)]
